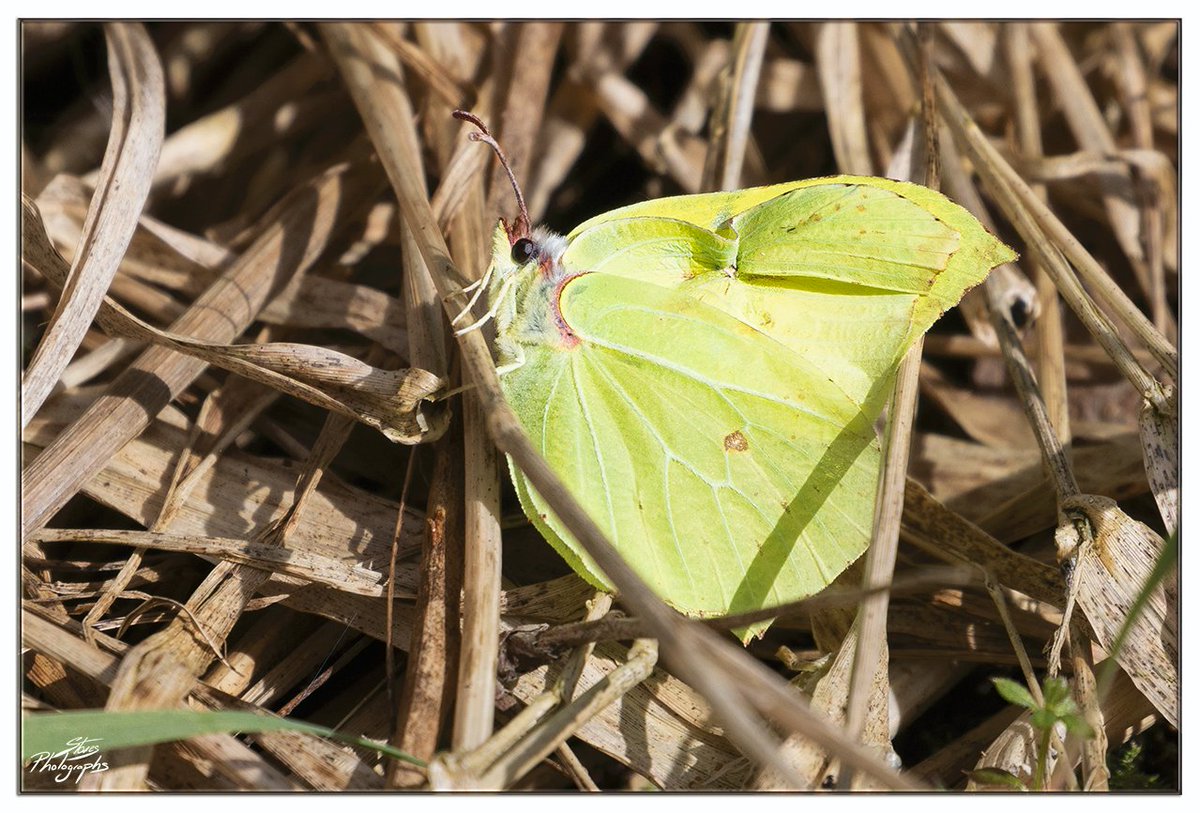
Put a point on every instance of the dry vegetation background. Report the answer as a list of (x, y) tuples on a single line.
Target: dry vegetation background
[(221, 327)]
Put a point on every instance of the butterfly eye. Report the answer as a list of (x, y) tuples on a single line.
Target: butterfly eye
[(523, 251)]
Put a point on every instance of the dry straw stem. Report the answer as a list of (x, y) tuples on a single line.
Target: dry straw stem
[(682, 747), (302, 564), (529, 62), (474, 707), (870, 651), (139, 110), (709, 81), (1054, 456), (1135, 96), (220, 759), (621, 628), (1012, 485), (729, 131), (532, 749), (224, 415), (661, 144), (475, 703), (169, 507), (363, 59), (840, 70), (276, 109), (1015, 289), (867, 687), (600, 49), (1038, 225), (535, 732), (1050, 354), (1093, 134), (120, 485), (162, 670), (158, 254), (431, 73), (1094, 768), (214, 606), (428, 687), (218, 505), (567, 682)]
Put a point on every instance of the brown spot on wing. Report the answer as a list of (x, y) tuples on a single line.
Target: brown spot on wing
[(736, 442)]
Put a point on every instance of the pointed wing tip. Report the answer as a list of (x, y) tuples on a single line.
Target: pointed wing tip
[(999, 252)]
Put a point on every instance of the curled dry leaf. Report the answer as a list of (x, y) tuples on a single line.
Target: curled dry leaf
[(682, 751), (1110, 575), (1015, 752), (1160, 448)]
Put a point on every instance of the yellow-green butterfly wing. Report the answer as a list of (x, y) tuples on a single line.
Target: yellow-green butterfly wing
[(848, 270), (703, 372), (719, 462)]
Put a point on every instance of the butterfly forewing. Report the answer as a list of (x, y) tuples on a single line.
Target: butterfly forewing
[(853, 234), (846, 271)]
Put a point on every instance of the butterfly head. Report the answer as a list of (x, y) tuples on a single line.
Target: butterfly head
[(518, 249), (533, 252)]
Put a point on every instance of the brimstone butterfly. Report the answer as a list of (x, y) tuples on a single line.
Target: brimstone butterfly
[(703, 372)]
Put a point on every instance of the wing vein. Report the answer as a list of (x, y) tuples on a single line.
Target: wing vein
[(591, 429), (668, 455)]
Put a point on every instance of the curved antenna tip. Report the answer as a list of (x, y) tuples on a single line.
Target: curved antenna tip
[(521, 227), (463, 115)]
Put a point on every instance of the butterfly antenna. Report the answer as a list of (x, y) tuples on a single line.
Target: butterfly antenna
[(521, 227)]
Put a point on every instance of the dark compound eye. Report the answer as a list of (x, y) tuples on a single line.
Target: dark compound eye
[(523, 251)]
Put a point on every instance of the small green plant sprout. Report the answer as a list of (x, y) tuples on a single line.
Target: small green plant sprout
[(1056, 706)]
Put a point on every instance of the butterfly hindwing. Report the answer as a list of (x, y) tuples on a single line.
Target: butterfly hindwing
[(722, 465)]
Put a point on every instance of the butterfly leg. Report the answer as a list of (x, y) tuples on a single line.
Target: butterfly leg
[(517, 360), (478, 286), (491, 314)]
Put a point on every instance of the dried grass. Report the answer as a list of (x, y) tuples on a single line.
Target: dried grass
[(216, 298)]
